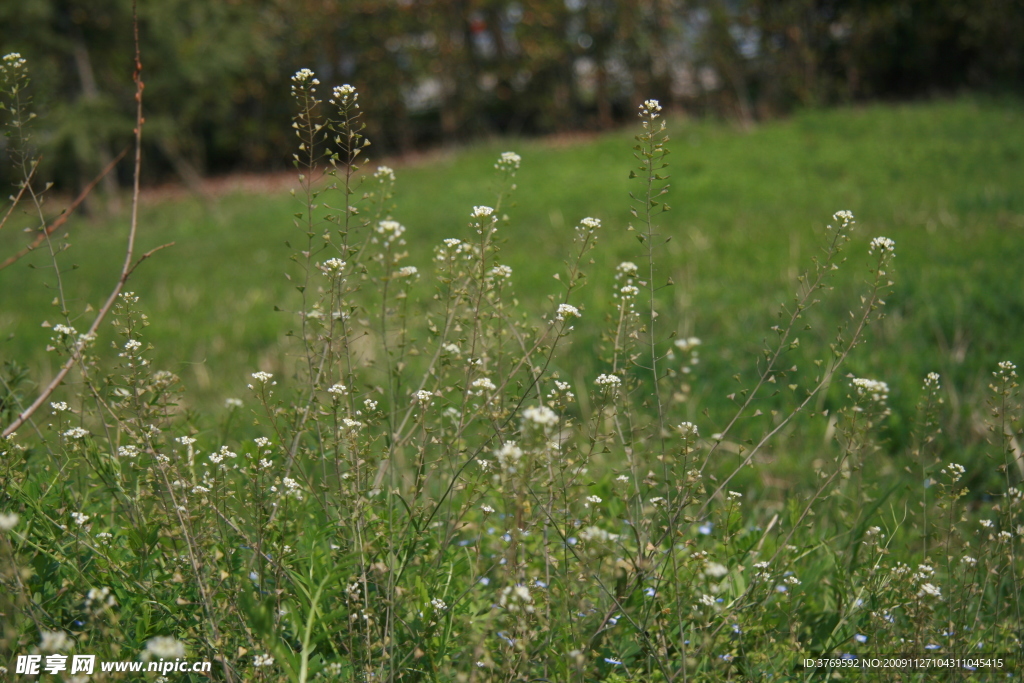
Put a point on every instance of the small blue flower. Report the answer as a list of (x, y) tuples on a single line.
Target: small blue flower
[(860, 638), (848, 656), (706, 528), (780, 588), (484, 581), (613, 661), (539, 584), (932, 646), (726, 657), (650, 592), (571, 540)]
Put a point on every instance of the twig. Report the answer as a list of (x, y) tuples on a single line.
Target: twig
[(21, 193), (49, 230), (126, 268)]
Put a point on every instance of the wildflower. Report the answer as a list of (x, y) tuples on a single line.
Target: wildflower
[(508, 455), (608, 381), (594, 499), (706, 528), (369, 404), (955, 471), (65, 330), (968, 560), (164, 647), (615, 662), (486, 509), (263, 442), (127, 451), (650, 108), (567, 310), (508, 162), (707, 600), (481, 385), (232, 403), (515, 598), (626, 268), (76, 433), (591, 223), (384, 173), (343, 95), (883, 245), (541, 415), (931, 381), (629, 291), (79, 518), (735, 495), (595, 533), (338, 390), (688, 429), (262, 377), (438, 604), (792, 580), (687, 344), (422, 397), (877, 390), (198, 488), (8, 520), (715, 570), (303, 76), (502, 272), (59, 407), (54, 641), (930, 590), (100, 597), (407, 271), (987, 523), (333, 265), (262, 660), (481, 212), (452, 349), (391, 230)]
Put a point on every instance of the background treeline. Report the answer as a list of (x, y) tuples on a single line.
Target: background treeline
[(435, 71)]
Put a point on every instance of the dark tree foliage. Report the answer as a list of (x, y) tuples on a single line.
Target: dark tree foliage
[(437, 71)]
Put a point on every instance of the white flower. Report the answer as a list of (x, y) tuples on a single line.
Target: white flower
[(343, 95), (594, 499), (629, 291), (262, 660), (482, 385), (452, 349), (262, 377), (715, 570), (8, 520), (594, 533), (514, 598), (650, 108), (930, 590), (338, 390), (687, 344), (608, 381), (407, 271), (127, 451), (567, 310), (132, 345), (735, 495), (422, 397), (384, 173), (707, 600), (486, 509), (438, 604), (931, 381), (391, 230), (955, 471), (232, 403), (370, 404), (541, 415), (987, 523), (503, 272), (508, 161), (66, 330), (164, 647), (627, 268), (845, 216), (876, 389), (198, 488), (262, 442), (591, 223), (54, 641), (59, 407), (883, 245), (968, 560), (333, 265), (304, 76), (481, 212), (792, 581), (687, 429), (508, 455), (76, 433), (79, 518)]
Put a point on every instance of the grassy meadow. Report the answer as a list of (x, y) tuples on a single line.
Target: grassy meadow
[(498, 490)]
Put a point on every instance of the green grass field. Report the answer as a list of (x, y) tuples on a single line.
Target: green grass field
[(942, 179)]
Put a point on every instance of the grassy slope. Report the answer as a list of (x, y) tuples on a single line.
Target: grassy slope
[(942, 179)]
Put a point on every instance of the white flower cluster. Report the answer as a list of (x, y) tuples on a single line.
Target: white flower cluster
[(59, 407), (422, 397), (877, 390), (128, 451), (79, 518), (262, 377), (515, 598), (407, 272), (262, 660), (931, 381), (332, 266), (481, 212), (608, 381), (391, 231), (76, 433), (1006, 370), (650, 108), (508, 455), (687, 344), (338, 389), (626, 269), (501, 272), (687, 429), (384, 173), (589, 225), (8, 520), (54, 641), (954, 471), (883, 245), (344, 95), (541, 415), (13, 61), (438, 604), (595, 533), (100, 598), (845, 216), (508, 162), (482, 386), (164, 647), (567, 310)]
